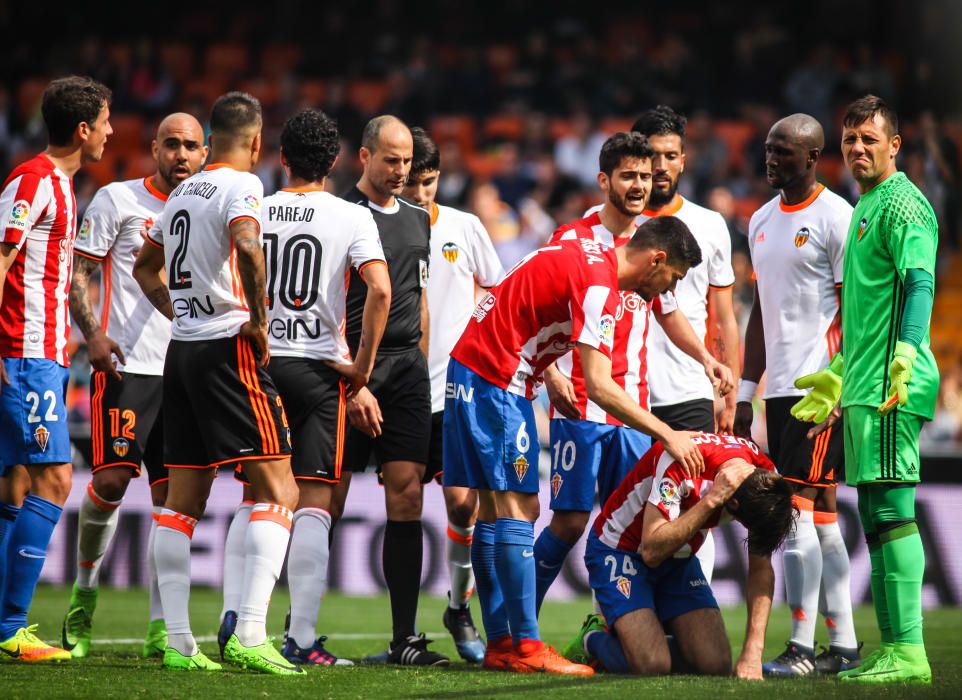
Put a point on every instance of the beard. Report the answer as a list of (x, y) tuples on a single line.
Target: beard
[(619, 203), (658, 199)]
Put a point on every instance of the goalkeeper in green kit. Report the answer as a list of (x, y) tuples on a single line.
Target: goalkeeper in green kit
[(887, 382)]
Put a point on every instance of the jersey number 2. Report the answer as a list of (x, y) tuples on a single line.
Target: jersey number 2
[(179, 277)]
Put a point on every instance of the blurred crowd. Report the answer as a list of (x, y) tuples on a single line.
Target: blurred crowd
[(521, 105)]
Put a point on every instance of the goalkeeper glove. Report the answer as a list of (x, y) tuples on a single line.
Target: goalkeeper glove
[(900, 374), (826, 389)]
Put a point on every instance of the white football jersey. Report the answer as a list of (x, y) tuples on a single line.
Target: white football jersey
[(112, 232), (310, 240), (194, 230), (462, 258), (797, 254)]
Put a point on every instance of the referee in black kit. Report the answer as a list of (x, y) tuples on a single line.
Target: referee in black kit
[(392, 414)]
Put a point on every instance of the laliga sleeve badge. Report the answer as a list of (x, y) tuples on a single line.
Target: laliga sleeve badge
[(521, 467), (666, 491), (556, 483), (42, 436), (624, 586)]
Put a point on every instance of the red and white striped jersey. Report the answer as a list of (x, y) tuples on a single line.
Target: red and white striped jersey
[(658, 481), (40, 219), (194, 231), (554, 298), (629, 354), (112, 231)]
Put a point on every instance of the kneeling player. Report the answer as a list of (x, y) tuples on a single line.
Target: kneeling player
[(641, 563)]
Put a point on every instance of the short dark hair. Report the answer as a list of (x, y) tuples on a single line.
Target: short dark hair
[(427, 157), (310, 143), (620, 146), (234, 113), (864, 108), (765, 508), (670, 234), (661, 121), (69, 101)]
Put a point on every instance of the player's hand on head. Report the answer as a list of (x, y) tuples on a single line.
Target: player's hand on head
[(257, 336), (728, 480), (364, 412), (829, 421), (679, 445), (561, 393), (744, 417), (101, 350)]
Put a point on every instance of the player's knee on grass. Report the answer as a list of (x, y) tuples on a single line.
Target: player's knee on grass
[(642, 639), (111, 483), (568, 525), (462, 505), (403, 491), (703, 642), (51, 481)]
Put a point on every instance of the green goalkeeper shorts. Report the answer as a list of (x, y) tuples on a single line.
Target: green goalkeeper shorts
[(881, 448)]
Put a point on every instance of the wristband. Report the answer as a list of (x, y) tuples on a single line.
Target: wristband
[(746, 390)]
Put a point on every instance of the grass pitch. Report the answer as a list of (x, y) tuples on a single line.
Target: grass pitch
[(360, 626)]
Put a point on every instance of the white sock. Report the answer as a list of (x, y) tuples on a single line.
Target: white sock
[(156, 609), (234, 557), (803, 576), (459, 564), (268, 534), (96, 528), (836, 586), (172, 559), (706, 556), (307, 571)]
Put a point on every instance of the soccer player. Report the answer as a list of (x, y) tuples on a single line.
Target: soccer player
[(36, 247), (887, 381), (557, 297), (219, 404), (588, 444), (311, 238), (462, 260), (392, 414), (641, 563), (797, 240), (127, 367)]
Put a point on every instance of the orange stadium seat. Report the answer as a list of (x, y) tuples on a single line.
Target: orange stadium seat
[(267, 91), (614, 125), (278, 60), (482, 165), (504, 126), (139, 165), (367, 96), (736, 134), (746, 206), (28, 96), (459, 128), (128, 136), (104, 171), (120, 53), (830, 168), (226, 60), (312, 92), (558, 128), (178, 56), (204, 89)]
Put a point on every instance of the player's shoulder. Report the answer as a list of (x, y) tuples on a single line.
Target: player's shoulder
[(765, 211), (583, 228), (703, 222), (833, 203), (35, 169), (903, 203), (409, 208), (457, 217)]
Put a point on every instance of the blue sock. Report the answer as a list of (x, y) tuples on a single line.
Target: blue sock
[(26, 554), (608, 651), (8, 514), (550, 554), (493, 613), (514, 562)]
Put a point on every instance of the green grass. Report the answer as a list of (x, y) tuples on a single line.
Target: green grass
[(116, 670)]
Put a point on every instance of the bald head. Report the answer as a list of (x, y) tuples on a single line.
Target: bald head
[(801, 129), (387, 150), (178, 149), (386, 127)]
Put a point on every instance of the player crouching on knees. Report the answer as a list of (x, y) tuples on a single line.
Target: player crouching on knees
[(641, 563)]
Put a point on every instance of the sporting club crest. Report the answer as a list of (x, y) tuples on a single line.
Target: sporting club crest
[(521, 467), (624, 585), (801, 238), (556, 484), (42, 436), (121, 447), (450, 252)]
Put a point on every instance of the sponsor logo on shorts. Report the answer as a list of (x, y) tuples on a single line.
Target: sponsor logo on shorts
[(696, 582), (801, 238), (483, 307), (666, 491), (458, 392), (42, 436), (912, 469), (521, 467), (121, 447), (19, 214), (527, 553), (556, 483), (624, 586), (450, 252)]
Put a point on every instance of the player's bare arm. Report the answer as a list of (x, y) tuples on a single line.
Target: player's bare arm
[(760, 589), (364, 412), (754, 366), (723, 331), (661, 538), (425, 323), (679, 331), (8, 252), (561, 392), (149, 273), (253, 274), (100, 347), (377, 305), (603, 390)]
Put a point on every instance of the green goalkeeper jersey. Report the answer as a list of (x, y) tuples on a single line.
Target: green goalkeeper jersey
[(893, 229)]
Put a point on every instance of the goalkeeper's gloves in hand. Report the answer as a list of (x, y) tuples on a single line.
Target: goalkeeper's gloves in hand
[(900, 374), (826, 390)]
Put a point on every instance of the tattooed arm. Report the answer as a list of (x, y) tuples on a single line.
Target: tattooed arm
[(149, 273), (100, 347), (251, 267)]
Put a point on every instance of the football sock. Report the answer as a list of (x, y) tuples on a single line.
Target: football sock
[(26, 553), (607, 649), (8, 516), (877, 561), (156, 609), (550, 553), (307, 571), (803, 574), (96, 527), (836, 582), (172, 560), (234, 553), (706, 556), (401, 558), (459, 564), (268, 534), (514, 563), (493, 613)]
